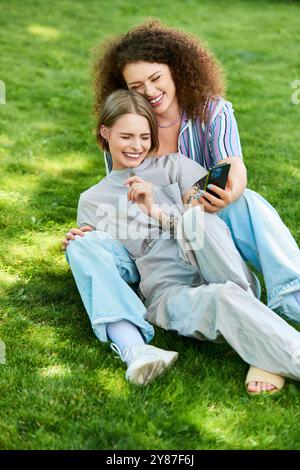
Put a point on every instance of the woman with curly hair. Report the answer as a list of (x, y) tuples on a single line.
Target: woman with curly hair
[(184, 85)]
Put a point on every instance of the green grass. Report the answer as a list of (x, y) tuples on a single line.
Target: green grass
[(60, 387)]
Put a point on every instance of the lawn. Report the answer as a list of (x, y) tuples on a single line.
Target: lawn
[(60, 387)]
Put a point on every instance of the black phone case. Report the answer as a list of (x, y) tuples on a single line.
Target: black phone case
[(218, 176)]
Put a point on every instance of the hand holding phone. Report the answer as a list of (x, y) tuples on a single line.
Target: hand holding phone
[(218, 175)]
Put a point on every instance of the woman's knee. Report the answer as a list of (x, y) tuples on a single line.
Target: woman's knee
[(97, 251), (91, 245)]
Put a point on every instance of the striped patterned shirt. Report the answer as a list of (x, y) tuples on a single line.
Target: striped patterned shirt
[(218, 138), (206, 143)]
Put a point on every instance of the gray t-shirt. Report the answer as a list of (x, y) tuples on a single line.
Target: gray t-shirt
[(105, 207)]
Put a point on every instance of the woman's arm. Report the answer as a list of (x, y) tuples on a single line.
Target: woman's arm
[(141, 192), (238, 175), (237, 182), (83, 222), (169, 222), (225, 147)]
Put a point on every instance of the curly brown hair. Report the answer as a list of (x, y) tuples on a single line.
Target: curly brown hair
[(195, 71)]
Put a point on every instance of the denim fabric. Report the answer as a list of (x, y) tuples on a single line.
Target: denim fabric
[(263, 240), (225, 307), (102, 269), (215, 312)]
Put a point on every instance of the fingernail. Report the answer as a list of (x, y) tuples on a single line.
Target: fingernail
[(199, 194), (210, 186)]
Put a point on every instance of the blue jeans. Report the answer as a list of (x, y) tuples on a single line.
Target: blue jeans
[(267, 244), (104, 271)]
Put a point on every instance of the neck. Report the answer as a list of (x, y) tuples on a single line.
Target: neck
[(116, 166), (172, 113)]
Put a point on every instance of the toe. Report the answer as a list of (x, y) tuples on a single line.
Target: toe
[(263, 386), (259, 387), (253, 387), (271, 387)]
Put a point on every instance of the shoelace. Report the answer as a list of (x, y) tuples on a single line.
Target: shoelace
[(117, 350)]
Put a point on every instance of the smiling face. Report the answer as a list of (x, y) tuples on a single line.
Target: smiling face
[(153, 81), (129, 140)]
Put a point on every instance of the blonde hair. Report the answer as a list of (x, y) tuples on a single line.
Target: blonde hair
[(122, 102)]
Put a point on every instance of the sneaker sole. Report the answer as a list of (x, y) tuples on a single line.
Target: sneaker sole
[(147, 372), (151, 370)]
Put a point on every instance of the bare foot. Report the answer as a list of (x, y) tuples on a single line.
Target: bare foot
[(259, 387)]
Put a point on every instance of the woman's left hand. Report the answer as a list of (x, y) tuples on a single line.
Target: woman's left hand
[(141, 192), (213, 204)]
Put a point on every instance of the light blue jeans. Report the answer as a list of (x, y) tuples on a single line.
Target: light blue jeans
[(106, 276), (267, 244)]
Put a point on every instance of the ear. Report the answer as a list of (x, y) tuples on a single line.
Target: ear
[(104, 131)]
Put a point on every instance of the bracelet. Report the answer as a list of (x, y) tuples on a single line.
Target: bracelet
[(169, 224)]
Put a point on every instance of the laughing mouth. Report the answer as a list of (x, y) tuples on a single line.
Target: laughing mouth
[(156, 100), (134, 156)]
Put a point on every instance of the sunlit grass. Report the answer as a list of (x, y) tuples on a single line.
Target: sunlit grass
[(44, 32)]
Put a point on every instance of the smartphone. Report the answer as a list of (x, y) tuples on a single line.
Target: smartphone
[(218, 176)]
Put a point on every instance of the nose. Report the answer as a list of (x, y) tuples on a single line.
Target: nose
[(136, 144), (149, 90)]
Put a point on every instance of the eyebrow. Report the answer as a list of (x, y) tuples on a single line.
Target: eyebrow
[(128, 133), (151, 76)]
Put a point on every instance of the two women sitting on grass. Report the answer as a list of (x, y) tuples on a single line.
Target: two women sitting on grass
[(182, 83), (185, 256)]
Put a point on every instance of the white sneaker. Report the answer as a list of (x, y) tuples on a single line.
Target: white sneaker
[(147, 363)]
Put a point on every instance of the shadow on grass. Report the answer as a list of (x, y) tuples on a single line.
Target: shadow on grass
[(72, 377)]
